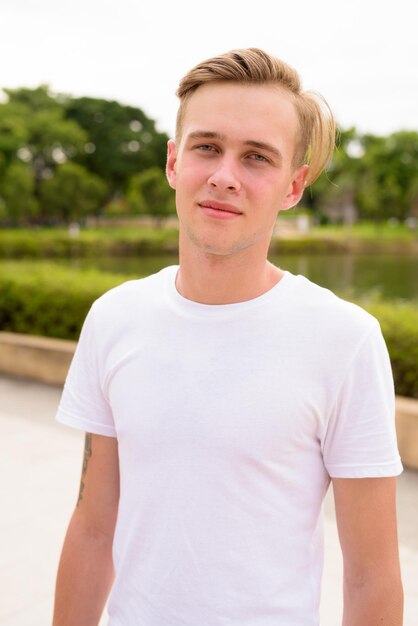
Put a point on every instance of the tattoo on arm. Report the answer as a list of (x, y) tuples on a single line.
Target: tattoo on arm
[(87, 455)]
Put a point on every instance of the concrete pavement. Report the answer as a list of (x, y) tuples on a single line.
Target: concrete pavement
[(40, 464)]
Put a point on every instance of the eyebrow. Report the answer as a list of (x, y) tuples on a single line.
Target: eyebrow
[(260, 145)]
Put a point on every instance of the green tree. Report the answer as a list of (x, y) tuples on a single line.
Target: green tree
[(378, 173), (37, 99), (122, 140), (38, 134), (13, 130), (389, 173), (72, 193), (149, 193), (45, 131), (17, 194)]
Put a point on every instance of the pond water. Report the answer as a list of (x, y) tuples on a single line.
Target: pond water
[(394, 277)]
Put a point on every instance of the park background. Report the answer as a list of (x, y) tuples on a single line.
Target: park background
[(85, 113)]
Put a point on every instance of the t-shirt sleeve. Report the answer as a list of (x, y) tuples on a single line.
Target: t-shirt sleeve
[(83, 403), (360, 440)]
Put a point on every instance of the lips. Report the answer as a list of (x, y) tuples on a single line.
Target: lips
[(223, 207)]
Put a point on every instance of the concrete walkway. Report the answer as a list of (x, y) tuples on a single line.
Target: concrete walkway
[(40, 464)]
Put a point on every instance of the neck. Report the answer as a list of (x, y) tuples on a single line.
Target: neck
[(224, 279)]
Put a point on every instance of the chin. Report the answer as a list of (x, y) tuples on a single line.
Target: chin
[(225, 249)]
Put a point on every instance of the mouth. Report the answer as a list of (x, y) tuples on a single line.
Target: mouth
[(219, 209)]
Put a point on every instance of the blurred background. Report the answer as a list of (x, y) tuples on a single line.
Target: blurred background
[(87, 104)]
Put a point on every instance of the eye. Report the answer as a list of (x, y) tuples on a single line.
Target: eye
[(205, 147), (260, 158)]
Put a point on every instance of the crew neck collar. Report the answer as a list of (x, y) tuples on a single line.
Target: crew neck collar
[(208, 310)]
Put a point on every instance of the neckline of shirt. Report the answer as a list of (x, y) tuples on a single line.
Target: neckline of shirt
[(192, 307)]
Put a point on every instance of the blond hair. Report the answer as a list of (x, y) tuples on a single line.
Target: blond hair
[(316, 139)]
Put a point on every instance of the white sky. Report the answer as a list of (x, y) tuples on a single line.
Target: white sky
[(362, 55)]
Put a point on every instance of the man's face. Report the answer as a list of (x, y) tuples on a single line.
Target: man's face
[(232, 170)]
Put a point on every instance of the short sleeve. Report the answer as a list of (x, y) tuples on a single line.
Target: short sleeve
[(360, 439), (83, 404)]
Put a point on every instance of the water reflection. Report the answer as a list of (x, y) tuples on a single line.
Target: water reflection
[(394, 277)]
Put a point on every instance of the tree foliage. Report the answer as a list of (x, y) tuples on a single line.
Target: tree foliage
[(391, 170), (17, 194), (378, 174), (36, 134), (122, 140), (72, 193), (60, 145), (149, 193)]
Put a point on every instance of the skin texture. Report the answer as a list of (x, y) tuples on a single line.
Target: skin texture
[(232, 172), (366, 518), (236, 149), (85, 572)]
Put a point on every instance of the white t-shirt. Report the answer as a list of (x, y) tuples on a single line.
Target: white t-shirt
[(230, 421)]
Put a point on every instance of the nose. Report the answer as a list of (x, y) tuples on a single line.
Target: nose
[(225, 176)]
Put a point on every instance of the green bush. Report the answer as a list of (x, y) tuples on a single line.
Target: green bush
[(134, 240), (49, 300), (399, 323), (46, 299), (58, 243)]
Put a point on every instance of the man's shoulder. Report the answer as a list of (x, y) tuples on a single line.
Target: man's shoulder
[(135, 291), (323, 306), (131, 304)]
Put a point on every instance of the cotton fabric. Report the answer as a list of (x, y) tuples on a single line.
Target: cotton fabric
[(230, 420)]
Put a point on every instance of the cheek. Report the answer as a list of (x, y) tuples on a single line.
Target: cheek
[(265, 190), (189, 176)]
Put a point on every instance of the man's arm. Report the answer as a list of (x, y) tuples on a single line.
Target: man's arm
[(85, 572), (366, 520)]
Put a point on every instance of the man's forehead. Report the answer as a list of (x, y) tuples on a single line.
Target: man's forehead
[(213, 105)]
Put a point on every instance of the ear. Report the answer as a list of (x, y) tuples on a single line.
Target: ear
[(296, 188), (170, 169)]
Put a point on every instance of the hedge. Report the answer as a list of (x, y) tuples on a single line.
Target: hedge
[(46, 299), (140, 240), (399, 323), (58, 243), (55, 244), (49, 300)]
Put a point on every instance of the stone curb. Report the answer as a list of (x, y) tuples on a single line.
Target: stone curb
[(38, 358), (47, 360), (407, 430)]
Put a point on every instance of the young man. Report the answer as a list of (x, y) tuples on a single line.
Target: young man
[(222, 396)]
